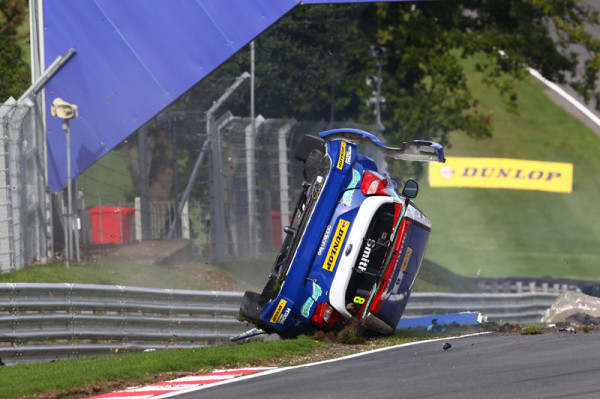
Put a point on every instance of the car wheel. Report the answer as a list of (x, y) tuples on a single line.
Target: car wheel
[(250, 307)]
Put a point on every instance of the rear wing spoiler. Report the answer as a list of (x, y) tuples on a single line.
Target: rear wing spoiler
[(416, 150)]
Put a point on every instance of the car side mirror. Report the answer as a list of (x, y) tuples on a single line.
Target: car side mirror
[(411, 188)]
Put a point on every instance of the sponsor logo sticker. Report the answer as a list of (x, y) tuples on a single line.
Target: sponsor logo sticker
[(278, 310), (317, 291), (348, 155), (406, 259), (324, 240), (342, 157), (284, 316), (336, 245), (364, 258), (347, 197)]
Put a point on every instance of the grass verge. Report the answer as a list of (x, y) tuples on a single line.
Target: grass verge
[(29, 379), (69, 378), (129, 274), (501, 232)]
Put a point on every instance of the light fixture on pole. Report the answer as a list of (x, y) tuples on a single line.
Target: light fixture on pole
[(66, 112), (377, 52)]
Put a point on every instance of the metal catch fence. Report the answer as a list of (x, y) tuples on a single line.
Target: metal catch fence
[(24, 197)]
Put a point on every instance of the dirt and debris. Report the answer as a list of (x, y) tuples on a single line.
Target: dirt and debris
[(93, 389)]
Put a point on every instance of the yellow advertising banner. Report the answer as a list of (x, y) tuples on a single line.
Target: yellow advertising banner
[(502, 173)]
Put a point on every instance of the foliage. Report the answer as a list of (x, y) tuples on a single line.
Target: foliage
[(13, 69), (312, 63), (426, 87)]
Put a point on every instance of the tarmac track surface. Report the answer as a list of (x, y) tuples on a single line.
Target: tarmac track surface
[(552, 365)]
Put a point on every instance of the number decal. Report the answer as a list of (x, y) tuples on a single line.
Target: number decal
[(359, 299)]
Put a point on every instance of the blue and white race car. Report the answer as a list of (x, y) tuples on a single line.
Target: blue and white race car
[(354, 245)]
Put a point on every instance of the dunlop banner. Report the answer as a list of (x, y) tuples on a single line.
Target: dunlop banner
[(502, 173)]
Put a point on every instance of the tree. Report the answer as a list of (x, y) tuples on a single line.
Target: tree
[(13, 70), (313, 47), (317, 55)]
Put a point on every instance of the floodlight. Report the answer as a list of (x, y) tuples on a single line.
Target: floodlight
[(63, 109)]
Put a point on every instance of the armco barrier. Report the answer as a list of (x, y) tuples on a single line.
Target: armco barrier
[(43, 322)]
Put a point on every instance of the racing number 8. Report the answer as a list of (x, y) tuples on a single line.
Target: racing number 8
[(359, 300)]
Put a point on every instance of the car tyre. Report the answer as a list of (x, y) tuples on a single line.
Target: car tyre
[(251, 307)]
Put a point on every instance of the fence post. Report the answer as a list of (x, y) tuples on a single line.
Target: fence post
[(17, 183), (138, 220), (185, 221), (519, 285), (217, 213), (6, 263), (120, 222), (284, 201), (144, 182), (250, 141), (100, 220)]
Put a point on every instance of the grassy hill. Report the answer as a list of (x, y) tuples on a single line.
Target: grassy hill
[(499, 232)]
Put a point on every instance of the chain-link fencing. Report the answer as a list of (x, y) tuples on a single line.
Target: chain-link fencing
[(24, 198), (237, 177)]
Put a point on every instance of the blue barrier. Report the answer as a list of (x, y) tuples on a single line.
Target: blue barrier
[(442, 319)]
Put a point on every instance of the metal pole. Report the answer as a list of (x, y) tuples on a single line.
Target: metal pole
[(144, 182), (378, 102), (217, 214), (120, 223), (284, 205), (250, 159), (188, 187), (68, 220), (251, 186), (6, 264), (100, 220), (76, 229), (66, 231)]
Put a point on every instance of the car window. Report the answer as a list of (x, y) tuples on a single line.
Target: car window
[(370, 259)]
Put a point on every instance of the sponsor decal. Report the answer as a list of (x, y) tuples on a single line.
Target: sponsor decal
[(342, 157), (324, 240), (347, 197), (406, 259), (305, 311), (284, 316), (349, 155), (336, 245), (502, 173), (364, 257), (278, 310), (317, 291)]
